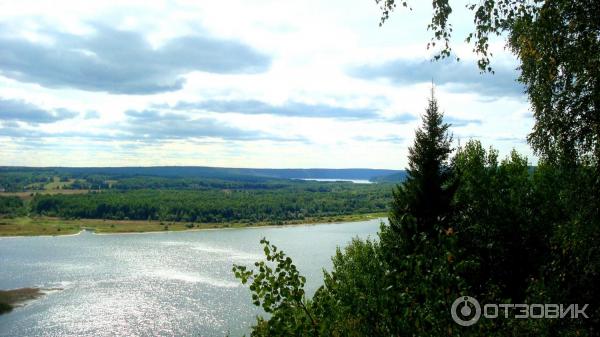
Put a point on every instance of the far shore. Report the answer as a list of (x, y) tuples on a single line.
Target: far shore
[(48, 226)]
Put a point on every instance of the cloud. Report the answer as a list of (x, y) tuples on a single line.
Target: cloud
[(511, 139), (393, 139), (402, 118), (10, 124), (33, 134), (147, 126), (289, 109), (153, 125), (122, 62), (384, 139), (92, 114), (13, 130), (457, 77), (458, 122), (21, 111)]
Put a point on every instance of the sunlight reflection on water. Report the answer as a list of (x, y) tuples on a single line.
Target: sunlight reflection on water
[(154, 284)]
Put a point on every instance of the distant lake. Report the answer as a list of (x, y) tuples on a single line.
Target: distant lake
[(356, 181), (154, 284)]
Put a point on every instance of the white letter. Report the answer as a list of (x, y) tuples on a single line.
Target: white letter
[(551, 310), (488, 315), (524, 310), (563, 313), (582, 311), (506, 306), (532, 313)]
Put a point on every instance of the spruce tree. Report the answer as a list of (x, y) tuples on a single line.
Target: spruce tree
[(418, 247), (426, 194)]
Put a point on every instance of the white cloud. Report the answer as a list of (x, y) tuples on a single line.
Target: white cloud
[(311, 46)]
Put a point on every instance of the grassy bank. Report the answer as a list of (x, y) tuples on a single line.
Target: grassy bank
[(10, 298), (28, 226)]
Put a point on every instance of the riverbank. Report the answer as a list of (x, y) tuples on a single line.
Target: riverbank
[(33, 226), (9, 299)]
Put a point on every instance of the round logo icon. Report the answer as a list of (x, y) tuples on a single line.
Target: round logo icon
[(465, 311)]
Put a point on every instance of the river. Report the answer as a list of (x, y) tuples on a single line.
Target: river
[(154, 284)]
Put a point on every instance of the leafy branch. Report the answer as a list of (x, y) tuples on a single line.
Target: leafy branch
[(276, 284)]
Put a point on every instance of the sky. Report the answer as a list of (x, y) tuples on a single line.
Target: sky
[(277, 84)]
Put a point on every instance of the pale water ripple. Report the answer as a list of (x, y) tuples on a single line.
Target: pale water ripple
[(153, 284)]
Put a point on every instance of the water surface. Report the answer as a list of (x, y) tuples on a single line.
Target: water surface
[(154, 284), (356, 181)]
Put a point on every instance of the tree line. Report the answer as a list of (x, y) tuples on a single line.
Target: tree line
[(464, 223), (212, 206)]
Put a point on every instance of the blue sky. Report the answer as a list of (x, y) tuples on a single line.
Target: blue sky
[(239, 84)]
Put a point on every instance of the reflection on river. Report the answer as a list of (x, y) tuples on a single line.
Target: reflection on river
[(154, 284)]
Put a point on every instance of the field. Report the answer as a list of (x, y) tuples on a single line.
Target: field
[(28, 226)]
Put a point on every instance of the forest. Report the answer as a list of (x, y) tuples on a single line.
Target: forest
[(17, 179), (215, 205), (467, 224), (250, 199)]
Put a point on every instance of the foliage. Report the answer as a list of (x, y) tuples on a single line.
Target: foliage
[(572, 269), (419, 245), (514, 234), (16, 179), (292, 203), (405, 284), (558, 46), (278, 288), (354, 299), (11, 206), (426, 192), (497, 229), (221, 195)]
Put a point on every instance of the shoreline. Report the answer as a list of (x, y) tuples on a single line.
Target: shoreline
[(14, 298), (53, 227), (215, 228)]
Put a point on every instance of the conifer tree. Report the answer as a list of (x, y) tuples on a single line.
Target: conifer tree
[(426, 194), (419, 246)]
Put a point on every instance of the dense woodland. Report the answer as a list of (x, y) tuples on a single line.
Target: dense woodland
[(215, 205), (466, 222), (17, 179), (191, 199), (12, 206)]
